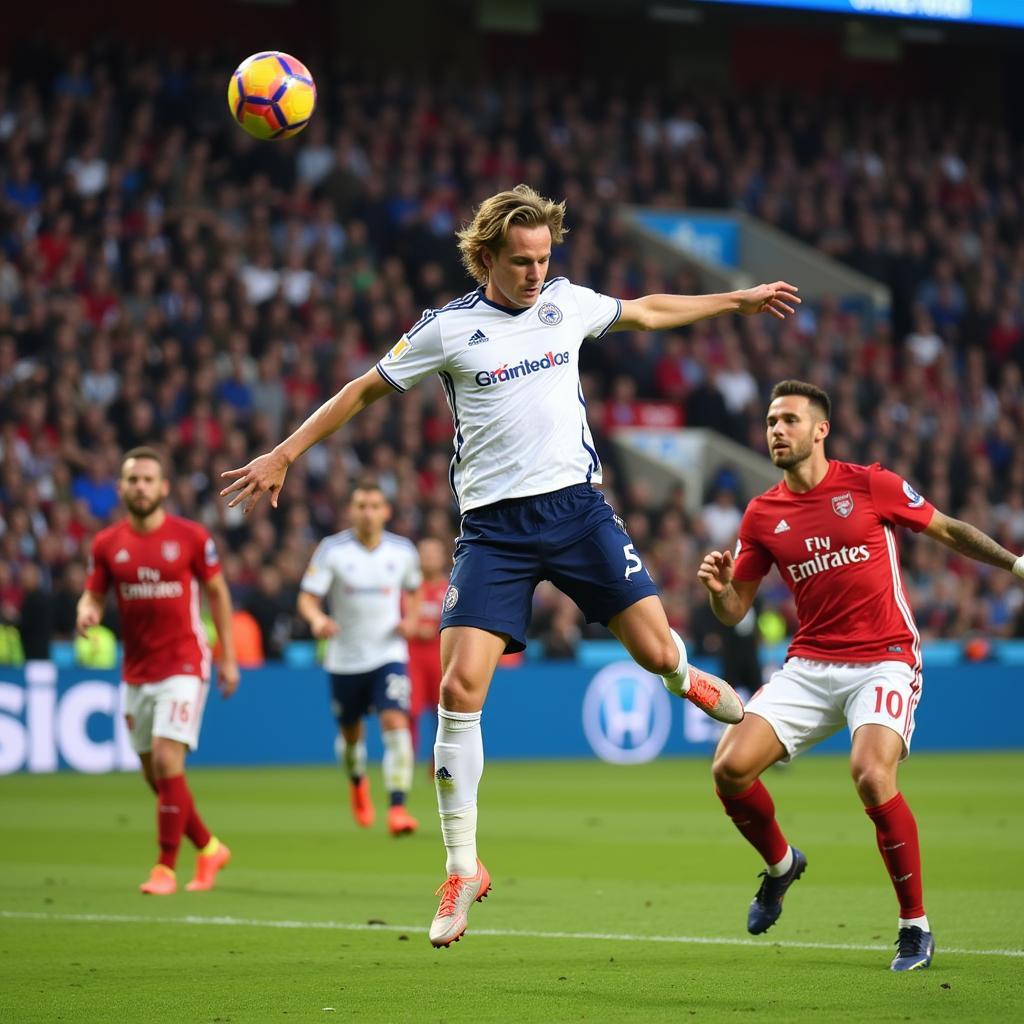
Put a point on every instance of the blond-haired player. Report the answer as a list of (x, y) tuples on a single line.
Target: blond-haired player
[(524, 469)]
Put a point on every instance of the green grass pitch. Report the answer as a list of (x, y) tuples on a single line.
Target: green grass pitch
[(620, 895)]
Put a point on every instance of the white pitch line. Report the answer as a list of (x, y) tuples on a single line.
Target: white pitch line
[(511, 933)]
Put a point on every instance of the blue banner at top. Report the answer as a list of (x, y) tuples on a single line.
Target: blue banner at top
[(711, 238), (968, 12)]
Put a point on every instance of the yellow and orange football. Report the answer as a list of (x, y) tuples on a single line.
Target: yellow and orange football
[(272, 95)]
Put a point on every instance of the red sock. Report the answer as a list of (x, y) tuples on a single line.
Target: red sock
[(195, 829), (753, 813), (173, 807), (896, 832)]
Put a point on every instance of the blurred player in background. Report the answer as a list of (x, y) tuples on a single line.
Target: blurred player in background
[(524, 471), (855, 658), (363, 572), (156, 562), (425, 641)]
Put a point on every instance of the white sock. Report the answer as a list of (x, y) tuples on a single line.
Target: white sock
[(397, 760), (775, 870), (351, 756), (911, 922), (459, 765), (678, 682)]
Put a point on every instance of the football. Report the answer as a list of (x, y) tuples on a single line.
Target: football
[(272, 95)]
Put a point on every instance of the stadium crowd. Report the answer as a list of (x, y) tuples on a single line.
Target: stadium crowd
[(165, 279)]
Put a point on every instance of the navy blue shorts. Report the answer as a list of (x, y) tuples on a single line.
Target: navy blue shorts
[(354, 696), (570, 537)]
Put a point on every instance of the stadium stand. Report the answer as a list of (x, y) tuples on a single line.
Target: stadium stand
[(165, 279)]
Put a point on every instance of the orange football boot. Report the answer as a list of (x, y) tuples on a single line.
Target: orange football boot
[(161, 882), (401, 822), (207, 866), (362, 805), (458, 893)]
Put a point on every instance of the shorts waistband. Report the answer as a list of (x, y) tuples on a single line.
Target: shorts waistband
[(530, 499)]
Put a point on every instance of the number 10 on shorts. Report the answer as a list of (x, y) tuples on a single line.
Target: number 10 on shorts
[(893, 701)]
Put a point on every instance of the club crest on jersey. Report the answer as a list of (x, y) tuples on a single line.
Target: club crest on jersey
[(170, 549), (842, 504), (549, 314), (914, 500), (451, 598)]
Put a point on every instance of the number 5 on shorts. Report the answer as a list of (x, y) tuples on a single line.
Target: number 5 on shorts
[(633, 563)]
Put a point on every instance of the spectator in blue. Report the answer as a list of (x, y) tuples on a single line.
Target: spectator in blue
[(97, 486)]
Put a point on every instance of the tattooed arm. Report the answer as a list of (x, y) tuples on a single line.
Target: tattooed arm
[(970, 541)]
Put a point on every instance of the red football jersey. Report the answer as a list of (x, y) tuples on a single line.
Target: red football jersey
[(156, 580), (836, 551), (432, 599)]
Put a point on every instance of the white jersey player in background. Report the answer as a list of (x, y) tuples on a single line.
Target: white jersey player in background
[(364, 572), (523, 470)]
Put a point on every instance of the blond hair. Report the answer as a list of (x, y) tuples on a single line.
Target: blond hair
[(497, 215)]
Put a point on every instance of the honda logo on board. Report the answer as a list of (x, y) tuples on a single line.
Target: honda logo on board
[(627, 714)]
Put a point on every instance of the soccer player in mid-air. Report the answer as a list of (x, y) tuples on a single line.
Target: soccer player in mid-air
[(363, 572), (524, 471), (155, 563), (855, 658)]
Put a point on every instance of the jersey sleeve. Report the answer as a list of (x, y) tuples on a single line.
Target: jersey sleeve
[(599, 311), (413, 574), (97, 579), (417, 353), (897, 502), (205, 560), (317, 577), (752, 559)]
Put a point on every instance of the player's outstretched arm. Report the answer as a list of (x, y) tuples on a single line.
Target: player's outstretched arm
[(730, 599), (664, 312), (970, 541), (266, 473)]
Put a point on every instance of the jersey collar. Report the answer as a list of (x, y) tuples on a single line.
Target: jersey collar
[(503, 309)]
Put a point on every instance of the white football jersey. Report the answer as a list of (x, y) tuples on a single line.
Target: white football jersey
[(364, 595), (513, 385)]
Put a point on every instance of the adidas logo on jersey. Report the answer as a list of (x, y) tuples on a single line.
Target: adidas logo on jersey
[(122, 556), (782, 527), (478, 338)]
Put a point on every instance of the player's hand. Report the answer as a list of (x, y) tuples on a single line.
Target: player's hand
[(715, 571), (228, 677), (408, 628), (85, 619), (779, 299), (264, 475), (324, 627)]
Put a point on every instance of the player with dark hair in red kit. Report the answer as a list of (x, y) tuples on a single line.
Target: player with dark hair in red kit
[(855, 659), (156, 563)]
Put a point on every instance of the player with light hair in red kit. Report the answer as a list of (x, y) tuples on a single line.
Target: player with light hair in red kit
[(855, 658), (156, 562)]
